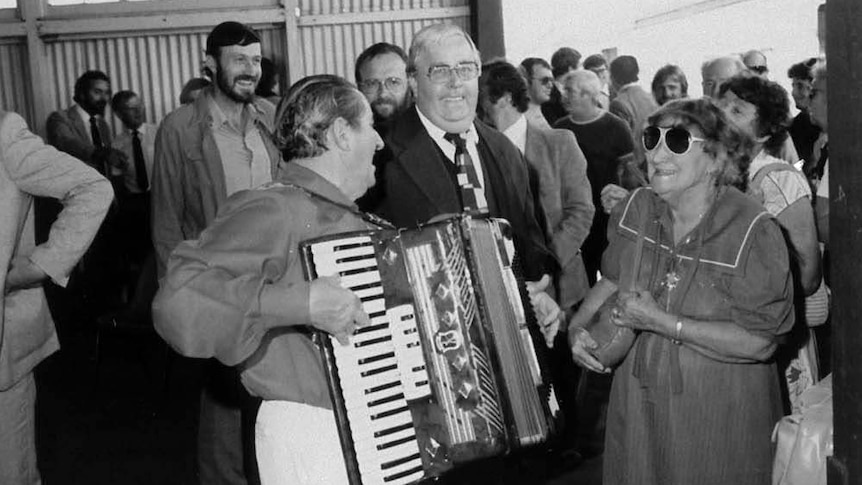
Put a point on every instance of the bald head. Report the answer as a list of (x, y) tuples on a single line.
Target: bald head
[(755, 61), (717, 71)]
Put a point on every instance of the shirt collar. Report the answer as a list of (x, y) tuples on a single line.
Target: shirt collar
[(293, 173), (218, 117), (438, 134), (85, 117), (517, 133)]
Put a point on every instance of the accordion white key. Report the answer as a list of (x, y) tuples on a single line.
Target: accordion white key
[(447, 372)]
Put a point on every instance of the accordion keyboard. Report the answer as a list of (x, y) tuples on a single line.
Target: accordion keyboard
[(379, 370)]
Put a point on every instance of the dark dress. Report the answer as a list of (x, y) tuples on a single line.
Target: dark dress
[(677, 416)]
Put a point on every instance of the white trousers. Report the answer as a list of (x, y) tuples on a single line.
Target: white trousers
[(298, 444)]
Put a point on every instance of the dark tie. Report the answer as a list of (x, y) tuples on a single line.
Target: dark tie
[(95, 133), (140, 167), (468, 180)]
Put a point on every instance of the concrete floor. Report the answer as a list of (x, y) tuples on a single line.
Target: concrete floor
[(119, 421)]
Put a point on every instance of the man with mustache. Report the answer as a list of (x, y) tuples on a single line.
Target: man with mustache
[(206, 151), (381, 75), (82, 131)]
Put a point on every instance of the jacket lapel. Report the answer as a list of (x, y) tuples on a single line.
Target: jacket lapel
[(417, 154), (78, 123)]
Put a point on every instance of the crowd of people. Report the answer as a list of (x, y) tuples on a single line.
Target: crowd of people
[(699, 223)]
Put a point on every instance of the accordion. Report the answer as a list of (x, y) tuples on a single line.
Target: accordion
[(446, 373)]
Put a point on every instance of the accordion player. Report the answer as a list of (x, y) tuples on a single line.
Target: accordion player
[(446, 373)]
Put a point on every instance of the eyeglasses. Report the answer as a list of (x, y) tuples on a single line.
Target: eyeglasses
[(465, 71), (678, 140), (371, 86), (544, 81)]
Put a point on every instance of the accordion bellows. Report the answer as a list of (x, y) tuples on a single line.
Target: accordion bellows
[(446, 373)]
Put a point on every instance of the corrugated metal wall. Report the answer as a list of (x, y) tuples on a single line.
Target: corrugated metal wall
[(15, 77), (325, 7), (154, 66), (156, 63), (331, 45)]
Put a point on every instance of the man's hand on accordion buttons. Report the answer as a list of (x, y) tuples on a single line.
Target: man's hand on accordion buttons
[(548, 313), (335, 309)]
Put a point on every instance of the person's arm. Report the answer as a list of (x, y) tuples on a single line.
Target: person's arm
[(797, 220), (759, 300), (577, 202), (724, 341), (224, 291), (166, 194), (43, 171)]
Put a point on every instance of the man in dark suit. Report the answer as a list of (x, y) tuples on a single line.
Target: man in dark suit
[(442, 161), (420, 180)]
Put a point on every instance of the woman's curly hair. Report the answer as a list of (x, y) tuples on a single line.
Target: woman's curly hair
[(773, 107), (309, 108), (724, 141)]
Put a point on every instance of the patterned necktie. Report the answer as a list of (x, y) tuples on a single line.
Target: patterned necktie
[(468, 180), (95, 133), (140, 167)]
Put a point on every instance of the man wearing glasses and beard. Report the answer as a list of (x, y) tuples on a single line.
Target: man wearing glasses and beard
[(381, 75), (206, 151)]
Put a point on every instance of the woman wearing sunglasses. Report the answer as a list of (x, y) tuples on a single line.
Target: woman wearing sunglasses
[(695, 398)]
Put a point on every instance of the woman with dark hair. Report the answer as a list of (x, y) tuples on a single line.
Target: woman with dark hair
[(698, 271), (760, 108), (238, 293)]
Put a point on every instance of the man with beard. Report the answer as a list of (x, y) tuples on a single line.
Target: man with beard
[(206, 151), (81, 131), (381, 75), (669, 83)]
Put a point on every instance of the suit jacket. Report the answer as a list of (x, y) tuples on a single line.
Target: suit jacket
[(30, 168), (634, 104), (66, 132), (188, 183), (566, 198), (416, 186)]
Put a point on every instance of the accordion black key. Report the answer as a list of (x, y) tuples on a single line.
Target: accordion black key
[(447, 372)]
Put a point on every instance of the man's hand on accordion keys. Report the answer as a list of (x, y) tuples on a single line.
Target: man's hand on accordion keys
[(548, 313), (335, 309)]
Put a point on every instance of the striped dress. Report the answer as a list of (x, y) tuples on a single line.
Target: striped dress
[(675, 415)]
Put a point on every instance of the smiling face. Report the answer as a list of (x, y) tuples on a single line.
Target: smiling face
[(237, 71), (366, 141), (801, 91), (450, 105), (672, 175), (387, 99)]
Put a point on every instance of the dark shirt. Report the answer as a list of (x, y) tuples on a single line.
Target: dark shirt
[(804, 133), (553, 109), (604, 142)]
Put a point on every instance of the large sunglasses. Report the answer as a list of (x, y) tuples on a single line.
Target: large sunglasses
[(677, 139)]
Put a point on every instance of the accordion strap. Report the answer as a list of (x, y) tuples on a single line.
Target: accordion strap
[(369, 218)]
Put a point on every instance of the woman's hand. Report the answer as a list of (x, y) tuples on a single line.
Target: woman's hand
[(637, 310), (611, 195), (582, 344)]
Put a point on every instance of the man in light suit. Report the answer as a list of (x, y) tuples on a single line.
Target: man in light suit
[(27, 334), (554, 156), (632, 103), (563, 191)]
